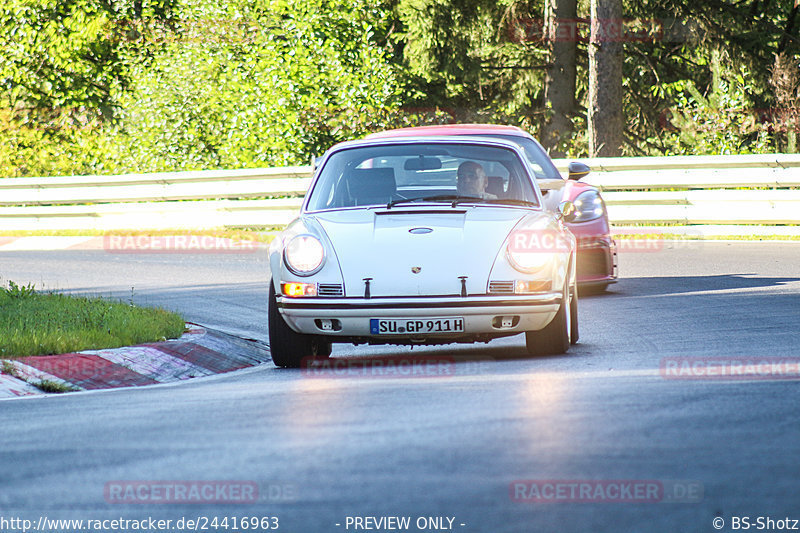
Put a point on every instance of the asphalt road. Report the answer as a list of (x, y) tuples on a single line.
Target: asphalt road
[(322, 448)]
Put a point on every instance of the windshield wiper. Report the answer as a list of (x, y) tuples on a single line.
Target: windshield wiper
[(512, 201), (458, 198), (454, 198)]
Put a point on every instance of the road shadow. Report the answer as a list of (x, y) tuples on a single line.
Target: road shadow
[(662, 285), (424, 360)]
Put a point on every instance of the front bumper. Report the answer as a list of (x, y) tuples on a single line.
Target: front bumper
[(596, 252), (481, 314), (597, 261)]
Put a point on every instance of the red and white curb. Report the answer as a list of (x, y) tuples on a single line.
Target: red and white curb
[(198, 352)]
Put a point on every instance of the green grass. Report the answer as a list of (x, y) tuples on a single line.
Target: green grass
[(8, 368), (38, 323), (51, 386)]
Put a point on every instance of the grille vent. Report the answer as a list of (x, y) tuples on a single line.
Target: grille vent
[(501, 287), (330, 289)]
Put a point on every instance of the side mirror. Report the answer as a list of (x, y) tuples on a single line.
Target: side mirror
[(566, 211), (577, 170)]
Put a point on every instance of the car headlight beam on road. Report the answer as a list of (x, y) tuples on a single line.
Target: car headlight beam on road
[(304, 255), (588, 206)]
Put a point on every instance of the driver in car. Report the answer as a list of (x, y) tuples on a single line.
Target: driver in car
[(472, 181)]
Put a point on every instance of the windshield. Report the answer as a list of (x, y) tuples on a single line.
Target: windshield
[(389, 175), (542, 166)]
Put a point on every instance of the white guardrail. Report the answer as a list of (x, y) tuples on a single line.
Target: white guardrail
[(721, 193)]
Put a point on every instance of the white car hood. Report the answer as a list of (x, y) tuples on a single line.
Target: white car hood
[(464, 241)]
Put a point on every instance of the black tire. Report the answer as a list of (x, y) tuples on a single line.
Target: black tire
[(554, 339), (574, 333), (594, 290), (289, 348)]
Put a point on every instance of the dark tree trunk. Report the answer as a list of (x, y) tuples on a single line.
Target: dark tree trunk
[(605, 79), (559, 92)]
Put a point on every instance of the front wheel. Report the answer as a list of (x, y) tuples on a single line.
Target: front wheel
[(573, 315), (288, 347), (562, 331), (595, 289)]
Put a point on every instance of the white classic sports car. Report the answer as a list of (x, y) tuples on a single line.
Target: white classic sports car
[(422, 240)]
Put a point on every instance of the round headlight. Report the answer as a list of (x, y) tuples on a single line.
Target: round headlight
[(528, 261), (588, 206), (532, 247), (304, 255)]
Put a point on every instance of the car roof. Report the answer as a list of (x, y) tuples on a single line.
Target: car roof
[(412, 136), (453, 129)]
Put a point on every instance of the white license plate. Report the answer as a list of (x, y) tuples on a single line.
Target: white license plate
[(405, 326)]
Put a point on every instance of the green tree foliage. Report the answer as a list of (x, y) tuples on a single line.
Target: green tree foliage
[(66, 59), (230, 85), (108, 86), (473, 58), (260, 83), (721, 122), (707, 46), (63, 66), (668, 47)]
